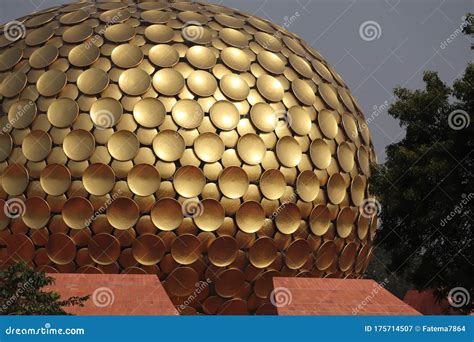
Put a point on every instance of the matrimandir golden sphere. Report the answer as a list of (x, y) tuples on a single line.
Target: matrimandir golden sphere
[(193, 141)]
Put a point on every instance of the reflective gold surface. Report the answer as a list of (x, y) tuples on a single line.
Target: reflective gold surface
[(187, 140)]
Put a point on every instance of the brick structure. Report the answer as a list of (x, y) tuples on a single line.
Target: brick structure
[(317, 296), (115, 294)]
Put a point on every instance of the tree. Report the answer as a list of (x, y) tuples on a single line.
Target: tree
[(21, 293), (426, 186)]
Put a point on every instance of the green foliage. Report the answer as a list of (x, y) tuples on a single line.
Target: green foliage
[(21, 293), (426, 187)]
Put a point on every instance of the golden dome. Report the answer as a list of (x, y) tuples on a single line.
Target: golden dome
[(192, 141)]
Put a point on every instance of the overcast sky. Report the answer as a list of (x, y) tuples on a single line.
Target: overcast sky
[(408, 37)]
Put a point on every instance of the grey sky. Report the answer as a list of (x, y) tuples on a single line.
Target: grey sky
[(411, 35)]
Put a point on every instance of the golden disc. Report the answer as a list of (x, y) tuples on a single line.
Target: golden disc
[(79, 145), (319, 220), (19, 247), (357, 190), (93, 81), (39, 35), (233, 182), (156, 17), (159, 33), (106, 112), (230, 282), (143, 179), (51, 82), (250, 217), (336, 188), (163, 55), (167, 214), (36, 214), (301, 66), (297, 254), (98, 179), (348, 256), (77, 212), (345, 219), (201, 57), (182, 281), (186, 249), (60, 249), (104, 248), (268, 41), (303, 91), (168, 145), (251, 149), (123, 213), (211, 217), (235, 59), (63, 112), (127, 56), (187, 113), (288, 151), (263, 252), (307, 186), (123, 145), (119, 33), (345, 156), (363, 158), (288, 218), (272, 184), (148, 249), (326, 255), (329, 95), (234, 87), (44, 56), (168, 82), (134, 81), (264, 117), (36, 145), (224, 115), (6, 145), (83, 55), (299, 120), (223, 251), (320, 154), (202, 83), (350, 126), (271, 62), (189, 181), (270, 88), (327, 123), (209, 147), (149, 112), (10, 57), (22, 113), (233, 37), (14, 179), (77, 33), (55, 179)]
